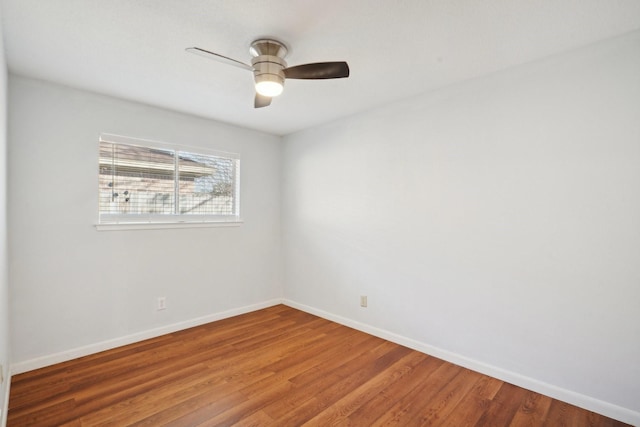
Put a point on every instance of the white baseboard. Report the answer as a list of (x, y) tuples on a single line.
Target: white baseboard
[(5, 407), (52, 359), (586, 402)]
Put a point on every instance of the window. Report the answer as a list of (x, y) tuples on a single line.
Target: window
[(149, 182)]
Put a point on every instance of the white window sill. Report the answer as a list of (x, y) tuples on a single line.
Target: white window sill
[(165, 225)]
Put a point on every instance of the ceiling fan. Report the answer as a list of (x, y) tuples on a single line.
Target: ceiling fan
[(270, 69)]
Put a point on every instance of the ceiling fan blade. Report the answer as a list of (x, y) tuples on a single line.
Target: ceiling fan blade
[(261, 101), (318, 70), (218, 57)]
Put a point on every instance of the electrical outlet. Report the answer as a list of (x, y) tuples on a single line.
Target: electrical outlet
[(162, 303), (363, 300), (1, 376)]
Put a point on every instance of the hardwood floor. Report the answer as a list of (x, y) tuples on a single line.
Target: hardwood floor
[(279, 367)]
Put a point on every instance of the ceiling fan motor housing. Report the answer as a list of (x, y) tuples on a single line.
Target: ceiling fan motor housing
[(268, 61), (270, 69)]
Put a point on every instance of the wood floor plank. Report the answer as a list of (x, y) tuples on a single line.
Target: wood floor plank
[(474, 404), (411, 403), (234, 413), (42, 415), (275, 367), (95, 405), (532, 412), (232, 377), (338, 382), (312, 358), (379, 404), (383, 372), (503, 406), (442, 403), (257, 419), (342, 358), (565, 415), (150, 402)]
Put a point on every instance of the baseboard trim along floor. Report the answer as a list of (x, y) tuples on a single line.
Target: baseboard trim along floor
[(43, 361)]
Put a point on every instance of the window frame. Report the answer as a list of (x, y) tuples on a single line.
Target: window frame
[(174, 220)]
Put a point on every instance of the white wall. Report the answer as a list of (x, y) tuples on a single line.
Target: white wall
[(73, 286), (4, 283), (496, 220)]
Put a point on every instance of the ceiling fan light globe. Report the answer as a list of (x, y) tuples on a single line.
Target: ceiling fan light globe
[(269, 88)]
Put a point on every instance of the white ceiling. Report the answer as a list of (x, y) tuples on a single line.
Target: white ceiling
[(134, 49)]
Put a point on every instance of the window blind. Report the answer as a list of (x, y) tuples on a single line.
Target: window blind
[(140, 183)]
